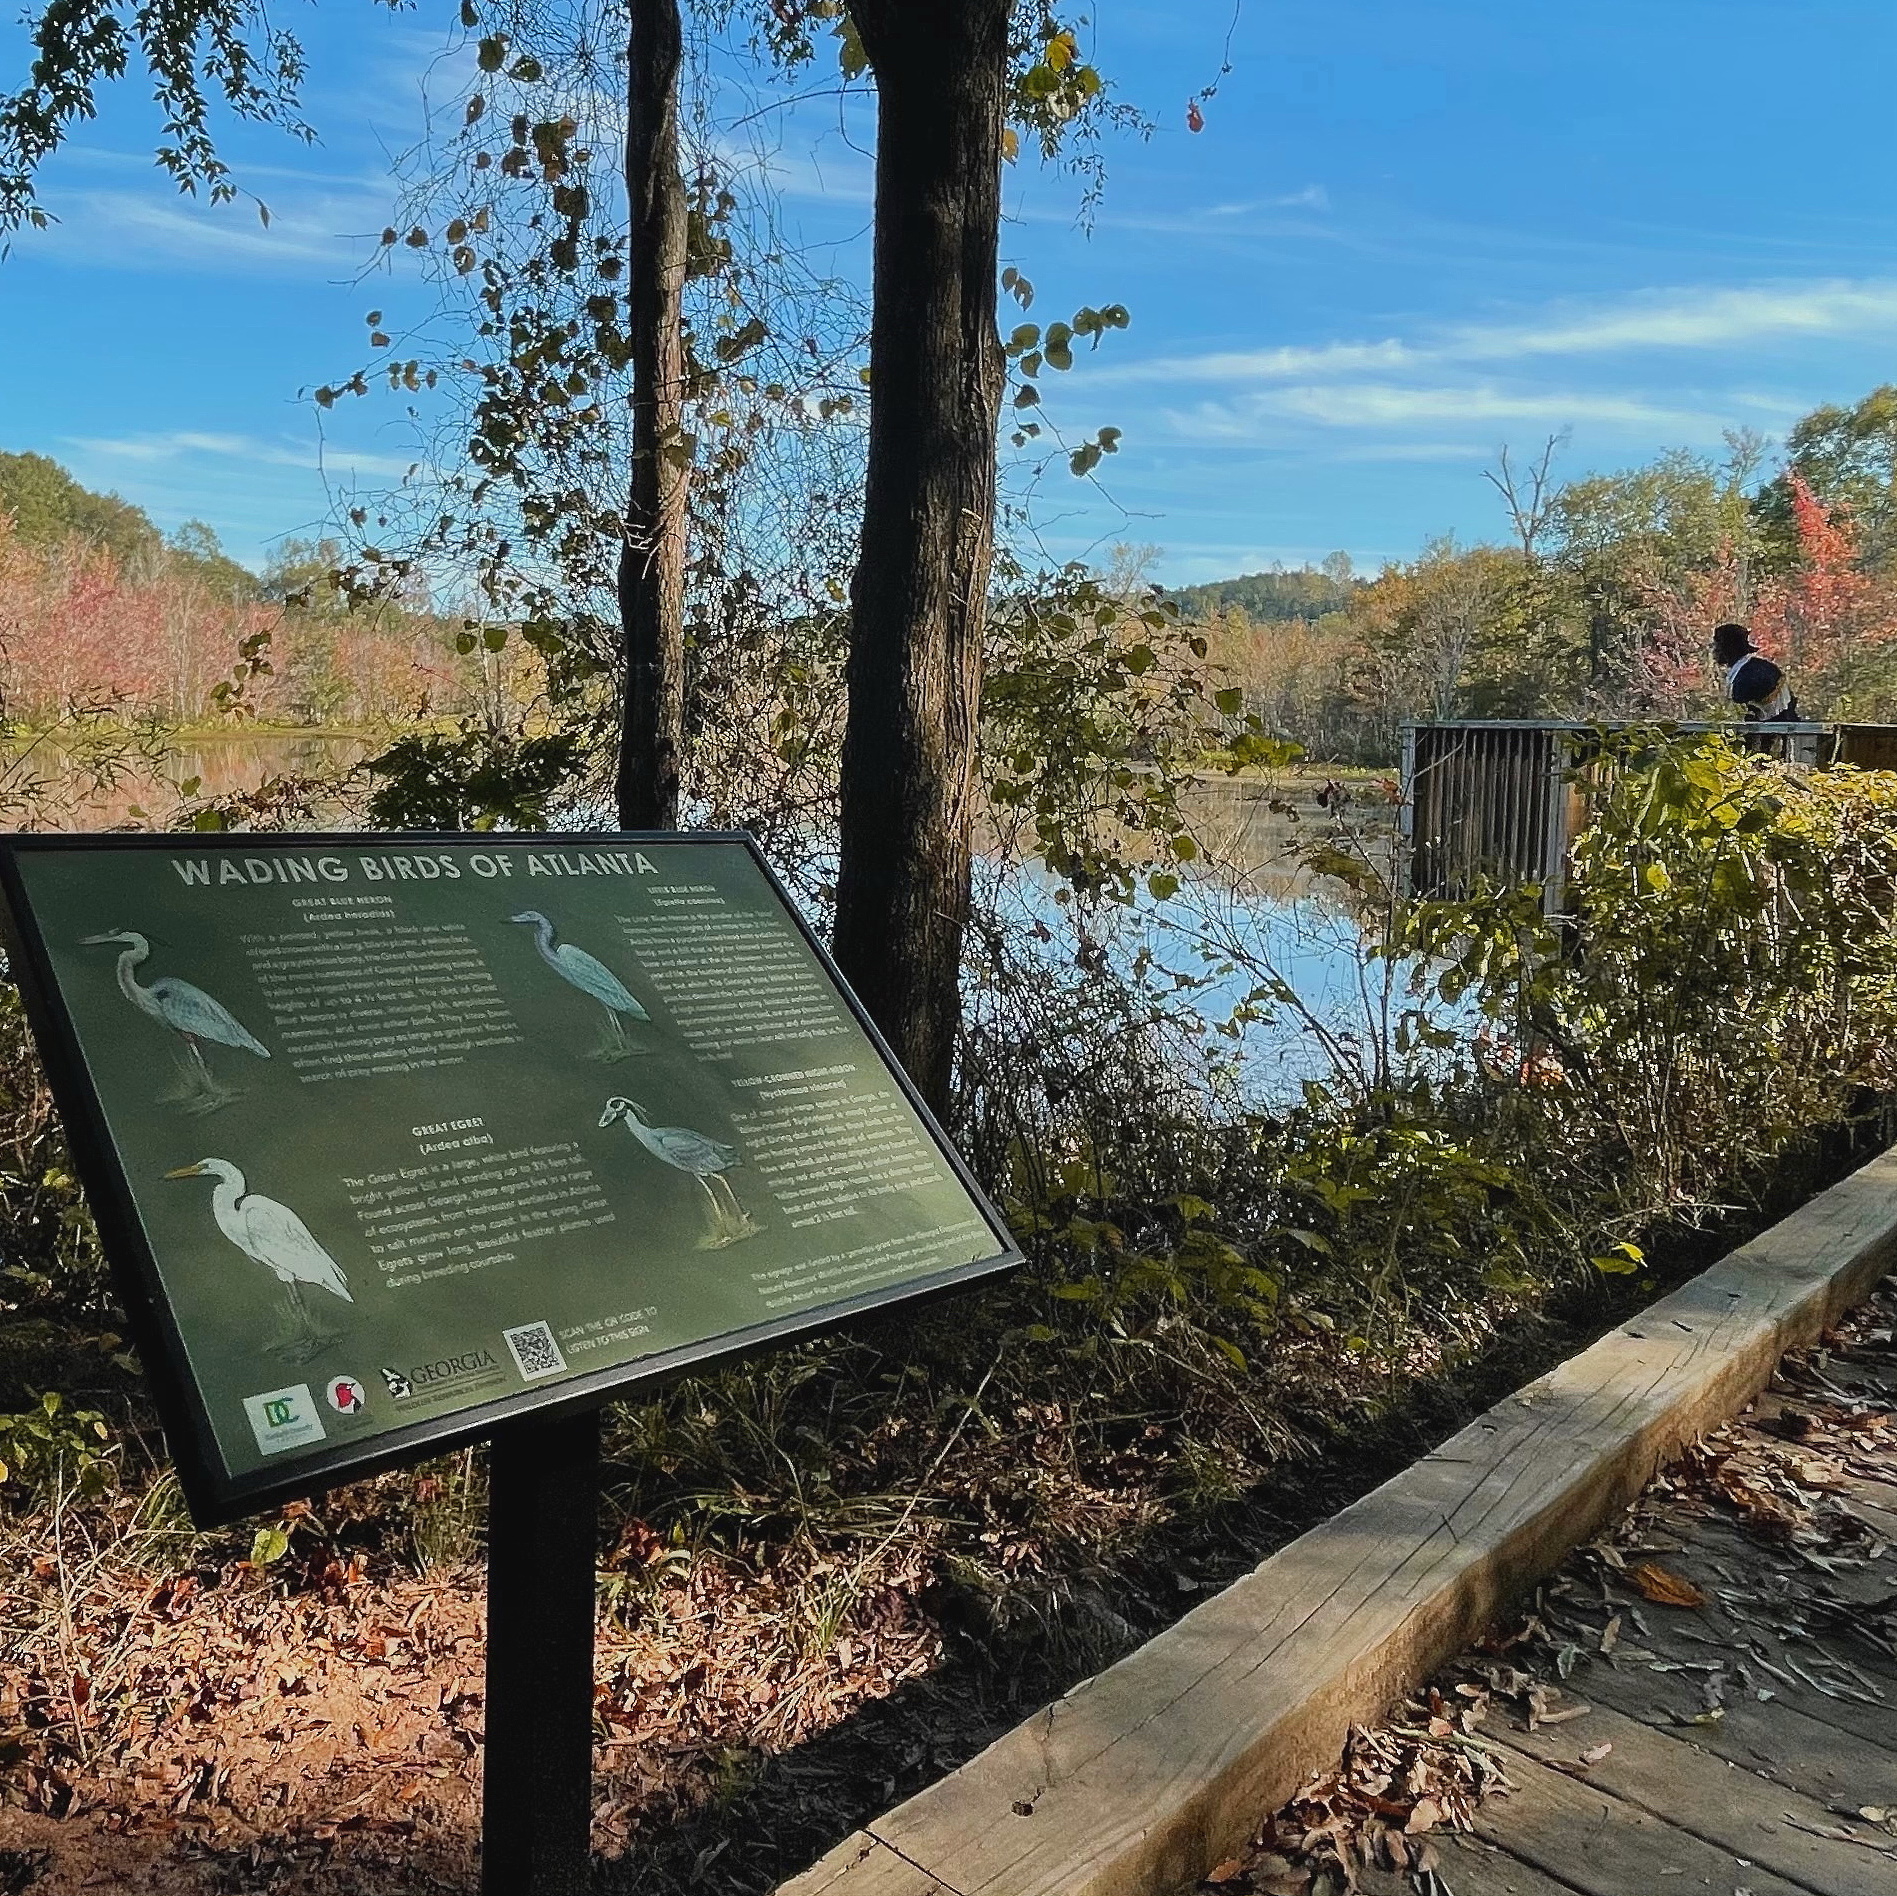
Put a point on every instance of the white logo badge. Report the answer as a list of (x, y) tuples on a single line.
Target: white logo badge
[(284, 1418), (345, 1395)]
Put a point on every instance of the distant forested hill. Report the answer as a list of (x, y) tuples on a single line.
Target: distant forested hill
[(47, 507), (1299, 592)]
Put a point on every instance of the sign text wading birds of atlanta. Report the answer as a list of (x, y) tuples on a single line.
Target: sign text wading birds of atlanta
[(392, 1138)]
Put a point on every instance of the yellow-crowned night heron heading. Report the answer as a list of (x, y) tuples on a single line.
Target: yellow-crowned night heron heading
[(187, 1011), (695, 1154), (275, 1237), (592, 977)]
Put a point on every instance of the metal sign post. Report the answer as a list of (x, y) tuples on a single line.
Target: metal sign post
[(537, 1778)]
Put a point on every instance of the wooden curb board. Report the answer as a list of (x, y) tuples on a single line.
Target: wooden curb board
[(1145, 1776)]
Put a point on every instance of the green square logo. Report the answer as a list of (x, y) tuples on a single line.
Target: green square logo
[(283, 1418)]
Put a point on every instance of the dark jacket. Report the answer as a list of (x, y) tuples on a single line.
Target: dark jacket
[(1757, 685)]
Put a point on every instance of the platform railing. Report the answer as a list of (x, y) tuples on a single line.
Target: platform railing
[(1496, 800)]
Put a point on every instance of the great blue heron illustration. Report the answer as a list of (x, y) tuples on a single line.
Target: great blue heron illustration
[(275, 1237), (592, 977), (696, 1155), (189, 1012)]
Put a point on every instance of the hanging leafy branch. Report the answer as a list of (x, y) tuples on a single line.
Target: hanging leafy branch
[(196, 53)]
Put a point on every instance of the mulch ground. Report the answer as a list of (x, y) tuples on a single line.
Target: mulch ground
[(227, 1737), (1745, 1608)]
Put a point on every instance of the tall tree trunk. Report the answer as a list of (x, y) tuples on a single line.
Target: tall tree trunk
[(652, 560), (919, 597)]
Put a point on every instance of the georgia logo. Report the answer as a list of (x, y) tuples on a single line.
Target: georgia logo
[(399, 1385), (345, 1395)]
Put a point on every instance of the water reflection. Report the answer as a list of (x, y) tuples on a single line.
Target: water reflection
[(146, 792), (1257, 932)]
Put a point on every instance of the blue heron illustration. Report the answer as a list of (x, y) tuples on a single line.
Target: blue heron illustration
[(189, 1012), (273, 1235), (697, 1156), (592, 977)]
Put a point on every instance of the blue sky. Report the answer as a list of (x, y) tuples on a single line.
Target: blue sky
[(1408, 233)]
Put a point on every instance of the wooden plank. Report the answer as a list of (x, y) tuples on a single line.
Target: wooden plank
[(860, 1866), (1780, 1741), (1719, 1802), (1601, 1846), (1473, 1868), (1747, 1637), (1150, 1773), (1469, 1867)]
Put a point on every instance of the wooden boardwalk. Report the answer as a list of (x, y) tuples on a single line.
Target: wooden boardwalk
[(1704, 1698)]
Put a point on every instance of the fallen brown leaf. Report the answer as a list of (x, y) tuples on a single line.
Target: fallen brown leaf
[(1666, 1588)]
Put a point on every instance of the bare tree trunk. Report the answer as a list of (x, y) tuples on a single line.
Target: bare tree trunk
[(919, 597), (652, 560)]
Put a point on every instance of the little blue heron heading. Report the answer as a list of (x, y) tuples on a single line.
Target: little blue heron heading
[(275, 1237), (694, 1154), (188, 1011), (591, 976)]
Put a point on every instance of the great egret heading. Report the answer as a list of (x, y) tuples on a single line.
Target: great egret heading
[(591, 976), (275, 1237), (695, 1154), (188, 1011)]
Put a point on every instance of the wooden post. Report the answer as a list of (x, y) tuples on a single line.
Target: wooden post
[(537, 1782)]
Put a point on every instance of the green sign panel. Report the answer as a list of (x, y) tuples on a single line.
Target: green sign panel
[(392, 1138)]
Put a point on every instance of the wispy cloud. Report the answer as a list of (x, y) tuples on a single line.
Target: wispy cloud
[(180, 444), (1694, 319), (1282, 416), (1312, 198), (1673, 319), (334, 231)]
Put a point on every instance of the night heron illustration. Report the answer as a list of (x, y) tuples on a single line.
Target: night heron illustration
[(696, 1155), (275, 1237), (592, 977), (189, 1012)]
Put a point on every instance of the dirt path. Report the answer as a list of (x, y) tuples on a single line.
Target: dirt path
[(1704, 1698)]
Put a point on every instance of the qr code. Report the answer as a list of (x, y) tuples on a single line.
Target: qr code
[(535, 1351)]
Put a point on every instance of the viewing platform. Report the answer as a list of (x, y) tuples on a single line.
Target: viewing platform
[(1501, 800)]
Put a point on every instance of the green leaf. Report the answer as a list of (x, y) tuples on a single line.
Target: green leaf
[(271, 1543), (1230, 701), (1622, 1261), (850, 54)]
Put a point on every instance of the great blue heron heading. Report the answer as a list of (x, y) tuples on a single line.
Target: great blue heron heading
[(694, 1154), (188, 1011), (591, 976), (275, 1237)]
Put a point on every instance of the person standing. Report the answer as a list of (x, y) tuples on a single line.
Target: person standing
[(1753, 682)]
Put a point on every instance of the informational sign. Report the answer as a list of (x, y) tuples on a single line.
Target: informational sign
[(393, 1138)]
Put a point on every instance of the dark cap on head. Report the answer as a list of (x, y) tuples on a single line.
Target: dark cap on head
[(1731, 643)]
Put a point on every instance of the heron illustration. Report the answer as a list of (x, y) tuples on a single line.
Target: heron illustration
[(189, 1012), (592, 977), (275, 1237), (702, 1158)]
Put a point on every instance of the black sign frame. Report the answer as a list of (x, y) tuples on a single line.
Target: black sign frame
[(215, 1498)]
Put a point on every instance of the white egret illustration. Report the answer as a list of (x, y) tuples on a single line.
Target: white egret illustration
[(592, 977), (274, 1236), (696, 1155), (189, 1012)]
